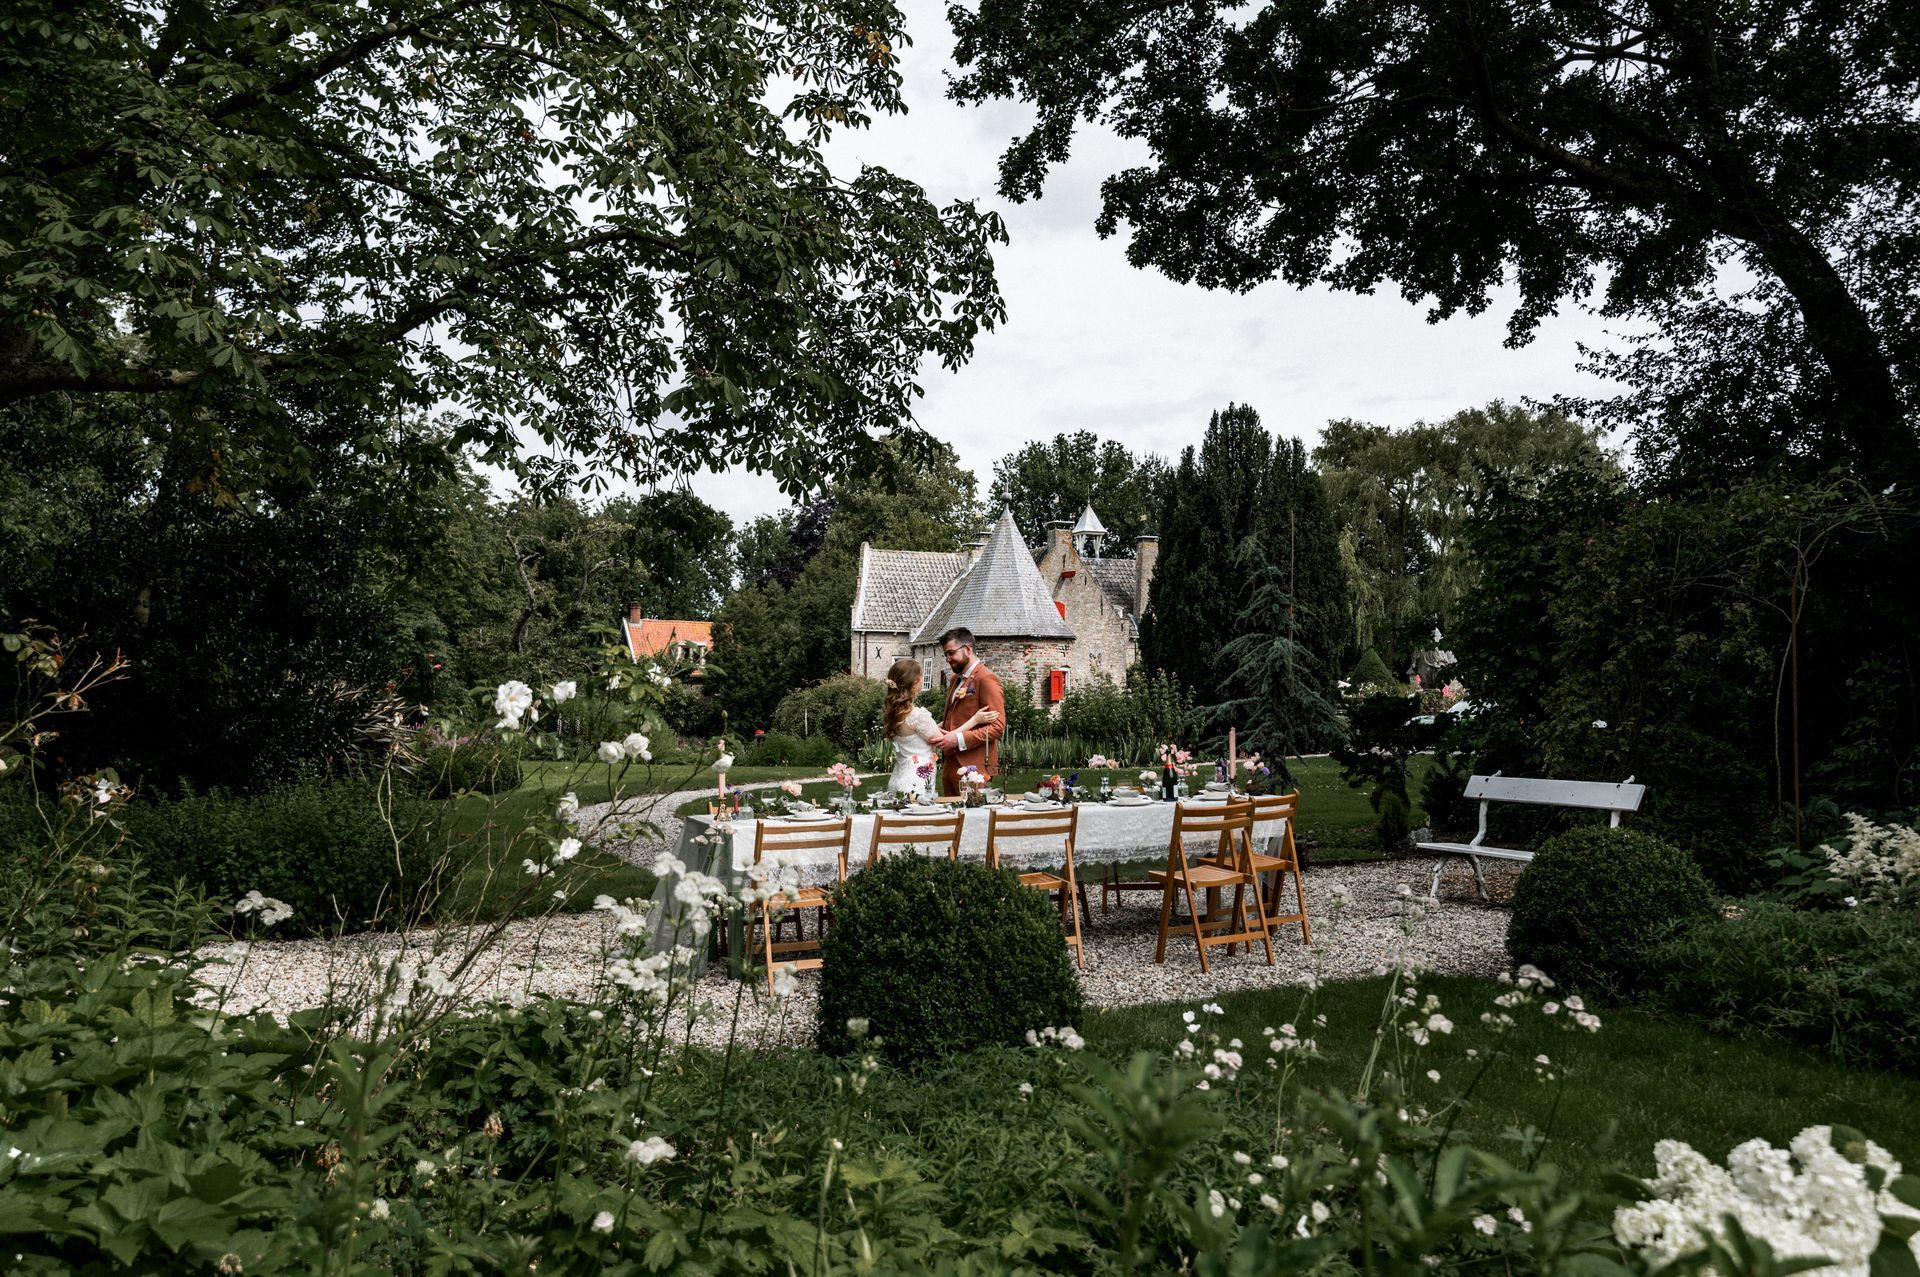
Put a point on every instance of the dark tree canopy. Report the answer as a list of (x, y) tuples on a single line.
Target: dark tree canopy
[(1564, 147), (1060, 477), (1240, 504), (600, 224), (682, 549)]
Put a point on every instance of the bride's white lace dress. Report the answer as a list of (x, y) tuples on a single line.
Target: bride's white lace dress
[(913, 751)]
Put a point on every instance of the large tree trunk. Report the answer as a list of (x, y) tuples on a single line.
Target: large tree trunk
[(1866, 403)]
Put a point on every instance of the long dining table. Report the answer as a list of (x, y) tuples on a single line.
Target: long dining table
[(1109, 833)]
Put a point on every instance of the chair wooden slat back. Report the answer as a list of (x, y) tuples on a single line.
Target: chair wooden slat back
[(928, 833), (774, 839), (1026, 826), (1229, 829), (1007, 825), (814, 835)]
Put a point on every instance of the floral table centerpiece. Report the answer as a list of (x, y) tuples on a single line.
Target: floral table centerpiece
[(973, 784), (843, 776)]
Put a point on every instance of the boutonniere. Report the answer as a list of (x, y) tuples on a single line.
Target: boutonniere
[(963, 688)]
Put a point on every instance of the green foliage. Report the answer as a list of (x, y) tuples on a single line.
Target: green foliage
[(1395, 825), (480, 767), (1403, 500), (1596, 902), (1058, 478), (1662, 651), (1567, 152), (777, 749), (1381, 737), (941, 956), (1845, 982), (845, 710), (774, 636), (1443, 791), (1243, 498), (683, 548), (343, 855), (1371, 672), (246, 236)]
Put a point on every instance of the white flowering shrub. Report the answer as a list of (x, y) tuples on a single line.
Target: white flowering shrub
[(1831, 1195), (1876, 864)]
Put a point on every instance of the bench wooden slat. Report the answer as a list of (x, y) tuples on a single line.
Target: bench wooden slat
[(1468, 849), (1593, 795)]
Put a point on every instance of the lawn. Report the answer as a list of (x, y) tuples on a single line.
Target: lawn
[(1638, 1080)]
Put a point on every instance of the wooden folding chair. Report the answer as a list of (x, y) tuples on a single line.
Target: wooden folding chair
[(1274, 815), (1229, 829), (1010, 826), (928, 833), (770, 836)]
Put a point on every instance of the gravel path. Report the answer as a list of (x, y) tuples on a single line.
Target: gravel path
[(562, 955)]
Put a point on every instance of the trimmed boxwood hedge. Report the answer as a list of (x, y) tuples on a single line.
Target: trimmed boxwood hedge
[(1595, 903), (941, 956)]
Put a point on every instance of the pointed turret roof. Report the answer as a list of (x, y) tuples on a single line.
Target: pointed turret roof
[(1089, 523), (1001, 596)]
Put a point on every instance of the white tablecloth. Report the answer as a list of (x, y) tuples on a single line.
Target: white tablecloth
[(1108, 834)]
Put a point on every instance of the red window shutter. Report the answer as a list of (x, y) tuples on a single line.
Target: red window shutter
[(1062, 605), (1056, 685)]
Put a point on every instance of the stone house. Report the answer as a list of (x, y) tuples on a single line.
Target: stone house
[(1072, 617)]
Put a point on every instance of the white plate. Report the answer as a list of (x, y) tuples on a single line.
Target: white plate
[(926, 809), (1137, 800), (1042, 806), (807, 816)]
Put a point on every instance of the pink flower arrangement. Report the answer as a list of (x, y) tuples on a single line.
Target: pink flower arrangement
[(973, 777), (842, 775), (791, 788), (1100, 762), (923, 767)]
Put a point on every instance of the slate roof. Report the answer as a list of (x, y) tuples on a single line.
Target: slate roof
[(1001, 596), (897, 588), (1117, 577)]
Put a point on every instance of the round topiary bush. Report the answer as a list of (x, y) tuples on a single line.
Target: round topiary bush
[(941, 956), (1596, 902)]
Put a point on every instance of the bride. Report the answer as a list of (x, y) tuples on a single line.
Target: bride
[(915, 761)]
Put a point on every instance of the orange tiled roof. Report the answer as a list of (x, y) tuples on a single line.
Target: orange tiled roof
[(654, 636)]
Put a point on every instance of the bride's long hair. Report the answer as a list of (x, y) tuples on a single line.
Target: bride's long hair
[(903, 681)]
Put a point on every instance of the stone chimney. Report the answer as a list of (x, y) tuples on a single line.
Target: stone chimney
[(633, 613), (978, 544), (1060, 542), (1146, 556)]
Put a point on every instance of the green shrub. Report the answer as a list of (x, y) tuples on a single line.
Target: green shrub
[(1596, 902), (1396, 824), (327, 850), (845, 709), (480, 767), (692, 714), (777, 749), (941, 956), (1372, 672), (1847, 983)]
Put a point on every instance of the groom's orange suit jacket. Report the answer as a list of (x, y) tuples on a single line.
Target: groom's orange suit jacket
[(980, 689)]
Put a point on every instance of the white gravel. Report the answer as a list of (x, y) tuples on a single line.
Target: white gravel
[(562, 955)]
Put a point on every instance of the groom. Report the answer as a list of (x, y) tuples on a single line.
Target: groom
[(974, 687)]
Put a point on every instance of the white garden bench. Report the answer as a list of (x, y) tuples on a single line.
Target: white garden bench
[(1587, 795)]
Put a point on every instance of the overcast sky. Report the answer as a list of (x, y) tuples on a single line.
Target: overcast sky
[(1091, 343)]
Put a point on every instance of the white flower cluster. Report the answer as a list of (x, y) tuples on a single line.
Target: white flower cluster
[(1286, 1040), (651, 978), (1806, 1201), (650, 1150), (629, 917), (272, 912), (1881, 862), (1065, 1037), (636, 748)]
